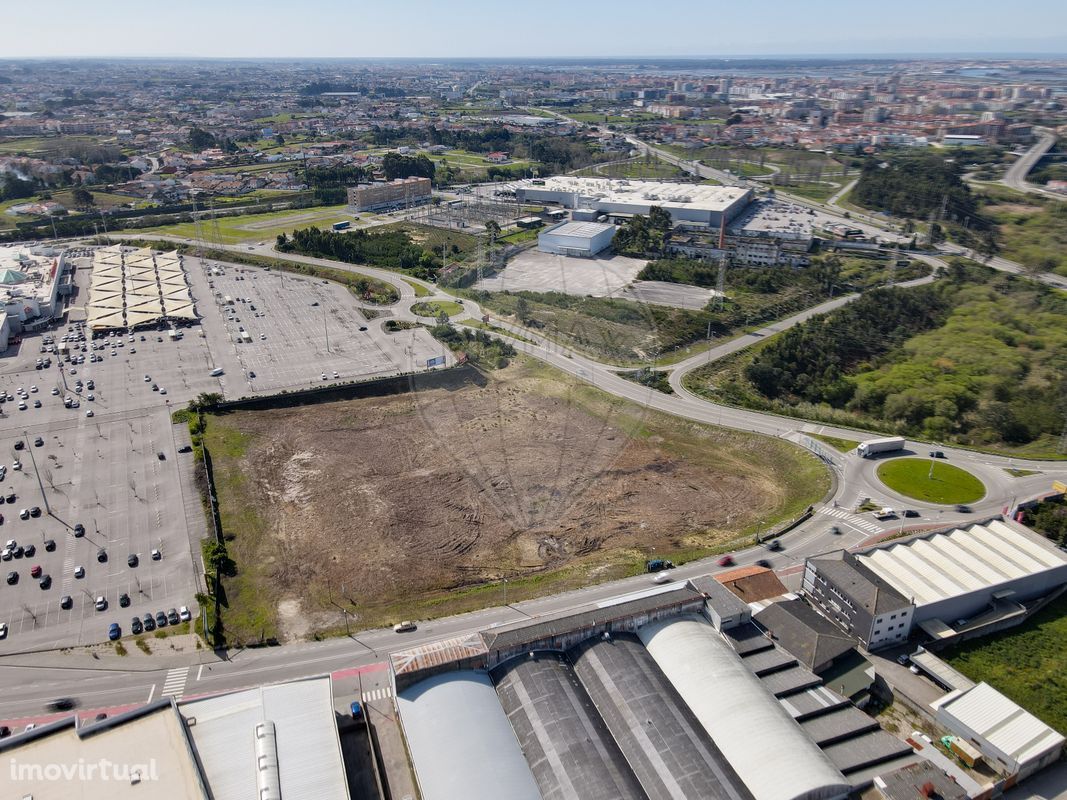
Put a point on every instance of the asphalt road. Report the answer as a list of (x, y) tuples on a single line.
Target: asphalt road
[(1015, 177)]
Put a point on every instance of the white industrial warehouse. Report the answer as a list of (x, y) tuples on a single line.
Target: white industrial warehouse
[(582, 239), (695, 204), (953, 576), (1014, 739)]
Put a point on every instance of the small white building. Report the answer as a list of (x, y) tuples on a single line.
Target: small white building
[(1012, 738), (584, 239)]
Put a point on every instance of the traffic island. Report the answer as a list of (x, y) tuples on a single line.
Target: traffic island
[(931, 481)]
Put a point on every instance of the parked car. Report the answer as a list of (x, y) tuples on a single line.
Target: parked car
[(66, 602), (46, 582), (124, 600), (101, 603), (79, 530), (12, 578), (132, 560), (161, 619), (183, 614), (114, 631), (135, 626)]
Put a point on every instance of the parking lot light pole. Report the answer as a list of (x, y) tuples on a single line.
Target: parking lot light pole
[(37, 472)]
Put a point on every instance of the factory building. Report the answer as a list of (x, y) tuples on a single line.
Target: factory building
[(947, 583), (582, 239), (399, 193), (960, 577), (691, 204), (667, 693), (1011, 738)]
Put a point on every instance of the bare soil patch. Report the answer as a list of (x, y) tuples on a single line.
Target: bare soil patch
[(373, 504)]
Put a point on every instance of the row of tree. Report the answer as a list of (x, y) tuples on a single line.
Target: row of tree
[(390, 249)]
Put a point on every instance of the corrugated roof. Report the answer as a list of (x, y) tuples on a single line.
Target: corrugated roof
[(434, 654), (752, 584), (944, 565), (805, 633), (308, 748), (1008, 728)]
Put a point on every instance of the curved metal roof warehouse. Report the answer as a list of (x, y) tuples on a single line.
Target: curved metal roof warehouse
[(765, 746)]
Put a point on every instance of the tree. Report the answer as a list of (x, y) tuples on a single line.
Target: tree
[(15, 188), (522, 310), (200, 139), (279, 140), (493, 230), (83, 199)]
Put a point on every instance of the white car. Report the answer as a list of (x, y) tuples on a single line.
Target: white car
[(147, 378), (16, 465), (101, 603), (324, 376), (55, 392), (22, 405), (162, 390), (79, 571), (3, 630), (184, 614), (661, 577), (33, 390), (89, 413)]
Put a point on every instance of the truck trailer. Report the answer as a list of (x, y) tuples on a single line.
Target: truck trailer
[(887, 445)]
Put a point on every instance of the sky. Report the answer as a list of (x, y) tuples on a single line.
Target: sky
[(548, 28)]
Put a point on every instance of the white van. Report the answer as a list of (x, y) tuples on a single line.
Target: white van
[(216, 372)]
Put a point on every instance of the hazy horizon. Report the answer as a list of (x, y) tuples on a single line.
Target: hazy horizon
[(478, 29)]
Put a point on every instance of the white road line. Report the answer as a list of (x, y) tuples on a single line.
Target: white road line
[(200, 672), (151, 693), (174, 685)]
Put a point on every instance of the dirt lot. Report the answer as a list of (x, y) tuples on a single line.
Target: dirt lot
[(412, 503)]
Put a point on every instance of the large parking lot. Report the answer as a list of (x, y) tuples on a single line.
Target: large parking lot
[(287, 331), (108, 480)]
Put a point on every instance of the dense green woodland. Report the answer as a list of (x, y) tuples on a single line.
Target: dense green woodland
[(916, 186), (390, 249), (978, 357)]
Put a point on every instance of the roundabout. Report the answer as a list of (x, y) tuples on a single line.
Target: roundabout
[(931, 481)]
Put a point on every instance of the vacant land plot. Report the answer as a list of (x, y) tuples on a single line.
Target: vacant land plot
[(255, 227), (930, 481), (1028, 663), (416, 503)]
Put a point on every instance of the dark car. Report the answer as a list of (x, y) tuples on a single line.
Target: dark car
[(774, 544), (910, 512), (131, 560), (937, 454), (114, 631), (50, 545), (66, 602), (19, 444), (135, 626), (11, 498), (161, 619), (4, 731), (19, 551), (161, 456), (35, 511), (79, 530), (149, 623), (62, 704), (12, 577), (101, 555), (185, 448), (38, 442), (962, 509), (46, 582), (172, 616), (124, 600), (763, 563)]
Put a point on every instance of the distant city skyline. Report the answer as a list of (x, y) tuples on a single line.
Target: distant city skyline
[(553, 29)]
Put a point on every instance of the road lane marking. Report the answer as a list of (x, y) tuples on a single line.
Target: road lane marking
[(151, 693)]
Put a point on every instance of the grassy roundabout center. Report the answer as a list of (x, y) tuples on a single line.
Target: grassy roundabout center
[(946, 484), (434, 307)]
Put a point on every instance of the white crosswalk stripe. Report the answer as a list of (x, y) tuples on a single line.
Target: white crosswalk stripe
[(378, 694), (174, 684), (859, 522)]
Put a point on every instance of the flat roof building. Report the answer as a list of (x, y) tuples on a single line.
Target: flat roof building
[(141, 753), (277, 740), (583, 239), (687, 203), (399, 193)]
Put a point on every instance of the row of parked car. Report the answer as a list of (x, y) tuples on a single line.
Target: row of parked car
[(161, 619)]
